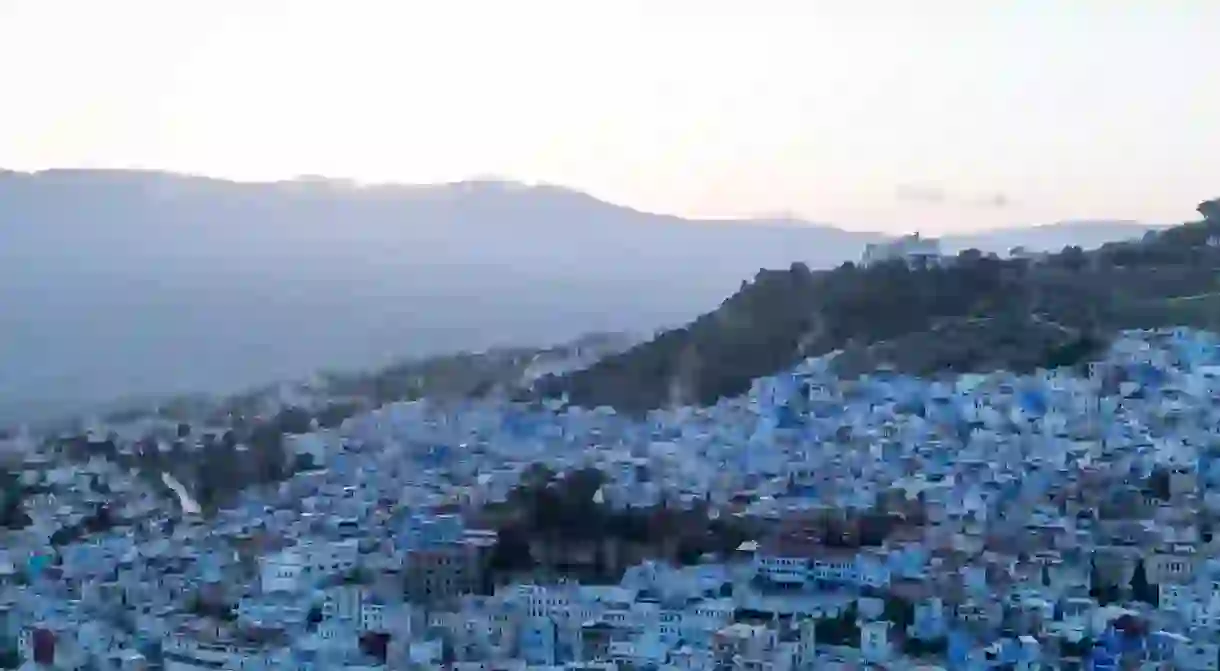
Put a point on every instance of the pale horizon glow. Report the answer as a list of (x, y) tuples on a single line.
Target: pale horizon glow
[(939, 115)]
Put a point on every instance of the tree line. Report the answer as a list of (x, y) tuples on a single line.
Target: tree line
[(1022, 313)]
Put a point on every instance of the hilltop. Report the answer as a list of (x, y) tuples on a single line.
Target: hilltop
[(971, 311)]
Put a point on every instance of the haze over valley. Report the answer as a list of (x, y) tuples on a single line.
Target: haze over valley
[(121, 283)]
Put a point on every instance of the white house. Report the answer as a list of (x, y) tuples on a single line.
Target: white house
[(915, 250)]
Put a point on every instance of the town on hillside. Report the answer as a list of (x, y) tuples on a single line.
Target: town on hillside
[(1053, 517), (1061, 519)]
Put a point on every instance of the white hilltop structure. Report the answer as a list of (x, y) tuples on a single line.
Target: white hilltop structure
[(915, 249)]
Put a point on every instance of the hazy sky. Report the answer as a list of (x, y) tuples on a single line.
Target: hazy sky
[(936, 114)]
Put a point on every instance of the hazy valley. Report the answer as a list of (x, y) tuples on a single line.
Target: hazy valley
[(125, 283)]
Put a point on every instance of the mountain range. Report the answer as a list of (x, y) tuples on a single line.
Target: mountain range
[(117, 283)]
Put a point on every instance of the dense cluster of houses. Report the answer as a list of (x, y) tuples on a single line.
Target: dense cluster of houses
[(1049, 521)]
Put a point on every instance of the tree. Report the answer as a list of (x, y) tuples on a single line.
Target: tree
[(294, 420), (899, 611), (1073, 258), (1105, 592), (9, 657), (1158, 482), (303, 462), (511, 553), (1069, 649), (536, 475), (334, 413), (1210, 210), (916, 647), (64, 535), (688, 553), (1141, 589), (375, 644), (12, 494), (267, 453), (840, 630), (101, 519)]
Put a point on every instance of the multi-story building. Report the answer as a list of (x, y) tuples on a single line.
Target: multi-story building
[(299, 566), (439, 573), (746, 647), (196, 650)]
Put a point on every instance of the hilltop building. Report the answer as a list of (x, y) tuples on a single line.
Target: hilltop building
[(916, 250)]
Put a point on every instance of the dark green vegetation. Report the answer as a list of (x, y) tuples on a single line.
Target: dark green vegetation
[(12, 494), (551, 525), (841, 630), (974, 312)]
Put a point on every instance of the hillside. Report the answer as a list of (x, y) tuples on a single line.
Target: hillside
[(972, 312), (196, 439), (127, 283), (120, 284)]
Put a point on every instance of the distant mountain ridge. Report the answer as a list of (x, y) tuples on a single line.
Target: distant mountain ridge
[(122, 283), (1085, 233)]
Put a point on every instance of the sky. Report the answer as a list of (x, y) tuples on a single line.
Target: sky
[(941, 115)]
